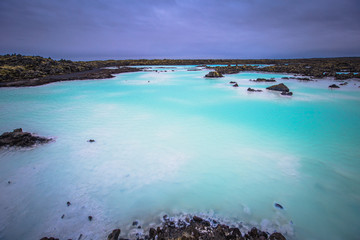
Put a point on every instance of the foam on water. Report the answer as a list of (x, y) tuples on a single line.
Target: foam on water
[(181, 145)]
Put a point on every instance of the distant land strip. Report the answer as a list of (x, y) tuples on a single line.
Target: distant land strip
[(17, 70)]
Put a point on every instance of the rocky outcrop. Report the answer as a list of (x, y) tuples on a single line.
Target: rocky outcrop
[(334, 86), (214, 74), (198, 228), (253, 90), (18, 138), (279, 87), (235, 85)]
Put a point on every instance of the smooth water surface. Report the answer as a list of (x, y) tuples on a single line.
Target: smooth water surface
[(176, 143)]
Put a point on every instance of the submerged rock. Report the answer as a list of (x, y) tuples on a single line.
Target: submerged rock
[(18, 138), (253, 90), (334, 86), (277, 205), (279, 87), (214, 74)]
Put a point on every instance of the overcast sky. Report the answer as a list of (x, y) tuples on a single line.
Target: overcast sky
[(124, 29)]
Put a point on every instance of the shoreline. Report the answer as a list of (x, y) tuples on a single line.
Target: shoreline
[(23, 71), (98, 73)]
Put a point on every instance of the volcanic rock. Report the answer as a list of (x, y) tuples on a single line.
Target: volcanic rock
[(18, 138), (214, 74), (279, 87)]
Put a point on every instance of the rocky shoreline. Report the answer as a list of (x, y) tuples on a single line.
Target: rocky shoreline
[(99, 73), (192, 228)]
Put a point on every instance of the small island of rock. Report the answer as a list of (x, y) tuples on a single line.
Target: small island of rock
[(279, 87), (214, 74), (18, 138)]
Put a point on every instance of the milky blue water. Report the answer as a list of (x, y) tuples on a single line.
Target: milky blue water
[(176, 143)]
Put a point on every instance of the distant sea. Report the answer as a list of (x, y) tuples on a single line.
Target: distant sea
[(173, 142)]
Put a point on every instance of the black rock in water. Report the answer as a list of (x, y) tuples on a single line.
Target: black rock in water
[(68, 203), (235, 85), (277, 205), (214, 74), (279, 87), (334, 86), (18, 138), (253, 90), (114, 235), (90, 218), (91, 140), (264, 80)]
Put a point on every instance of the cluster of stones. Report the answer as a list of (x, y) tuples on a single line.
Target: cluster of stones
[(198, 228)]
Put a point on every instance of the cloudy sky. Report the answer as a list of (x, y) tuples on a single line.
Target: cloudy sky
[(124, 29)]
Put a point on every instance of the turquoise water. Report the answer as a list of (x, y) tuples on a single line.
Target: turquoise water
[(176, 143)]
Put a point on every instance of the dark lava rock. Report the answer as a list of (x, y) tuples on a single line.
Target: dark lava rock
[(235, 85), (68, 203), (214, 74), (152, 233), (343, 84), (18, 138), (91, 140), (90, 218), (114, 235), (287, 93), (62, 216), (277, 205), (198, 228), (9, 182), (303, 79), (135, 223), (334, 86), (197, 219), (253, 90), (279, 87), (286, 78), (264, 80), (232, 82), (277, 236)]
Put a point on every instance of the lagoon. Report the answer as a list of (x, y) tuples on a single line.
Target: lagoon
[(176, 143)]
